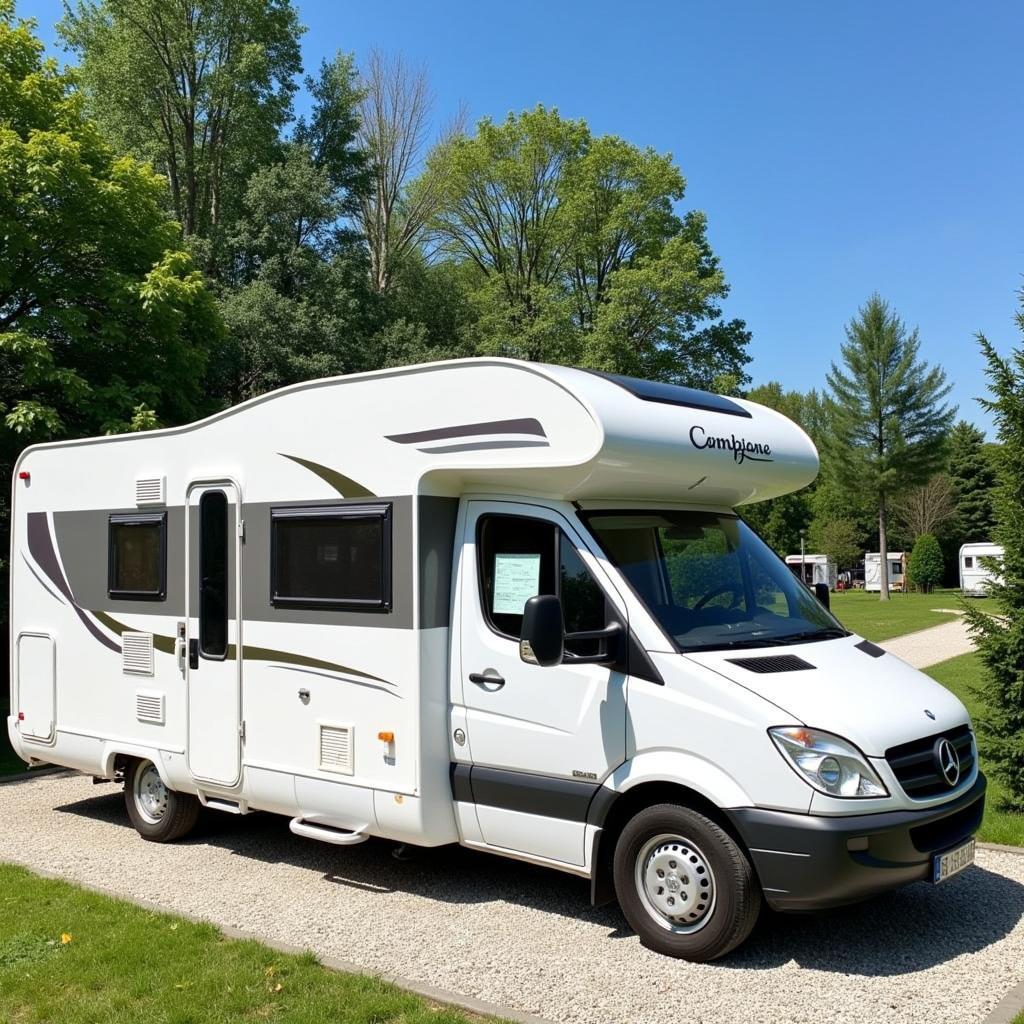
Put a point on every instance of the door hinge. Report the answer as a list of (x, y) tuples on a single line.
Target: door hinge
[(241, 731), (241, 529)]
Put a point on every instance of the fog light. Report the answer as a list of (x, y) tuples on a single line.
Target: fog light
[(829, 772)]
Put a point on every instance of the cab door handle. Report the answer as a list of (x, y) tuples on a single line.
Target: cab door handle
[(490, 680)]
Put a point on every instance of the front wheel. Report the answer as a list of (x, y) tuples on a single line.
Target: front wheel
[(158, 813), (685, 886)]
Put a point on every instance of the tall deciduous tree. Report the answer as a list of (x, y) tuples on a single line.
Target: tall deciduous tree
[(973, 478), (201, 88), (890, 416), (927, 507), (104, 323), (394, 129), (839, 539), (579, 255), (1000, 638)]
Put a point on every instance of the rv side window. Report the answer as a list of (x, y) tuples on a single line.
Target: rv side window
[(968, 561), (137, 557), (331, 556), (518, 560)]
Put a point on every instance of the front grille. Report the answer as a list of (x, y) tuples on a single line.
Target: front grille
[(914, 765)]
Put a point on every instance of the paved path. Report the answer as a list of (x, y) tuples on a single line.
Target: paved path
[(930, 646), (522, 937)]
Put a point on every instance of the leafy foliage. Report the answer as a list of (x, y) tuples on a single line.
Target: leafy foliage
[(1000, 639), (839, 539), (890, 419), (926, 565)]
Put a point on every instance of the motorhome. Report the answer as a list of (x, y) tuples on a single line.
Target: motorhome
[(976, 572), (486, 602), (873, 570), (813, 569)]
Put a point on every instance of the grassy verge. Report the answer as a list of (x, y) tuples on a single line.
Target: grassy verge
[(962, 675), (902, 613), (73, 956)]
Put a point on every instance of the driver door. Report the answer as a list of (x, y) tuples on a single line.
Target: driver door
[(540, 739)]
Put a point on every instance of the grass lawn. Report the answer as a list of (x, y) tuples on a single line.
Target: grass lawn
[(902, 613), (72, 956), (962, 675)]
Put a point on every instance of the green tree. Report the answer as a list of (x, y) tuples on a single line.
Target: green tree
[(890, 420), (104, 323), (926, 566), (202, 88), (839, 539), (973, 478), (579, 256), (1000, 638)]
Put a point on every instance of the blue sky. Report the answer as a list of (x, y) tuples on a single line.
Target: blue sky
[(837, 149)]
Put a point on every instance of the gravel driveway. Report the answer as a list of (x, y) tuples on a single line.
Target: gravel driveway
[(526, 938), (928, 647)]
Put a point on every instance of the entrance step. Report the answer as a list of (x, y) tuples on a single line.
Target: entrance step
[(327, 833)]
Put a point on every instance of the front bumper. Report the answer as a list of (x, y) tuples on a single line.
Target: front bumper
[(808, 862)]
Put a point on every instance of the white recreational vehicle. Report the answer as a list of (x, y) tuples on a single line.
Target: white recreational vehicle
[(873, 570), (484, 602), (815, 569), (975, 575)]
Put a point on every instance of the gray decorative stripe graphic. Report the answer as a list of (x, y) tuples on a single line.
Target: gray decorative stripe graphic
[(42, 582), (525, 425), (329, 675), (480, 446), (40, 546), (344, 485)]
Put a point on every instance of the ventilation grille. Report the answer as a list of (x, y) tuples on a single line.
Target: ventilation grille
[(774, 663), (336, 749), (137, 653), (869, 648), (916, 767), (149, 706), (150, 490)]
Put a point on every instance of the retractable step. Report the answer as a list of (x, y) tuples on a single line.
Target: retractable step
[(327, 833), (219, 803)]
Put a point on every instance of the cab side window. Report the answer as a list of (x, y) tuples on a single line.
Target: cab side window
[(520, 558)]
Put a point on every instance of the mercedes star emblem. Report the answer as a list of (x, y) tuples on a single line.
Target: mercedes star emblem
[(947, 760)]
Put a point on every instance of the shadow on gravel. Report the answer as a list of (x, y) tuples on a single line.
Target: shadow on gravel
[(902, 932)]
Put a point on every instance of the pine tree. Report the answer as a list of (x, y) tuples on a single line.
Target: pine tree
[(890, 418), (973, 477), (1000, 638)]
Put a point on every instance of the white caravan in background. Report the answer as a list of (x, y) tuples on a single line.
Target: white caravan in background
[(975, 575), (815, 569), (873, 571), (484, 602)]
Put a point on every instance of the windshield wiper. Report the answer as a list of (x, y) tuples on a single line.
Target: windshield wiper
[(810, 635), (807, 636)]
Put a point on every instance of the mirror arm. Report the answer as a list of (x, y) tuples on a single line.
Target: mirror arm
[(611, 632)]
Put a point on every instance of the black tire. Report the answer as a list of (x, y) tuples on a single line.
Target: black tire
[(670, 838), (177, 816)]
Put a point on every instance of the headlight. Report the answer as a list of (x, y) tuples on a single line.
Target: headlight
[(830, 764)]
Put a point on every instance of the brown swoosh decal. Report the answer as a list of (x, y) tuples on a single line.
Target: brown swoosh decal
[(344, 485)]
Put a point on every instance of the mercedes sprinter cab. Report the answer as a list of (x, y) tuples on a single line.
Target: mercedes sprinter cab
[(486, 602)]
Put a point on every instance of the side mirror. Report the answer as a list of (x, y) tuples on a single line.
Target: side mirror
[(543, 632), (821, 593)]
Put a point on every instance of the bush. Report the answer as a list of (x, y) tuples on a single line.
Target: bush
[(926, 565)]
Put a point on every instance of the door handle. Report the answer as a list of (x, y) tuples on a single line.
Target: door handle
[(489, 679), (193, 654)]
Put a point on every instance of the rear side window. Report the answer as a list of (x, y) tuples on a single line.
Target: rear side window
[(520, 558), (137, 557), (331, 556), (968, 561)]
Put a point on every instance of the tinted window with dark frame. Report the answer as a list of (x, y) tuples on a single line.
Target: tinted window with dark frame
[(213, 574), (333, 556), (137, 556), (518, 558)]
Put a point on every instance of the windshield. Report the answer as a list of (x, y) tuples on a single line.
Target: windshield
[(710, 581)]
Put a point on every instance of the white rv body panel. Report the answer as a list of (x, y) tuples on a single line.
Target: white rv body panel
[(873, 570), (402, 707), (975, 576)]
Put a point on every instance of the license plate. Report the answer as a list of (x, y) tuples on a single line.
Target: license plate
[(952, 862)]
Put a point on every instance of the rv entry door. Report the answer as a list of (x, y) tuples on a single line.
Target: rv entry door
[(213, 610)]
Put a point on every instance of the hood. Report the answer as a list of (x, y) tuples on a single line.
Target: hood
[(875, 701)]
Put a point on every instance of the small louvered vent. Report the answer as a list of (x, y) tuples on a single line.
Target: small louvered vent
[(150, 490), (869, 648), (149, 706), (137, 653), (773, 663), (336, 749)]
